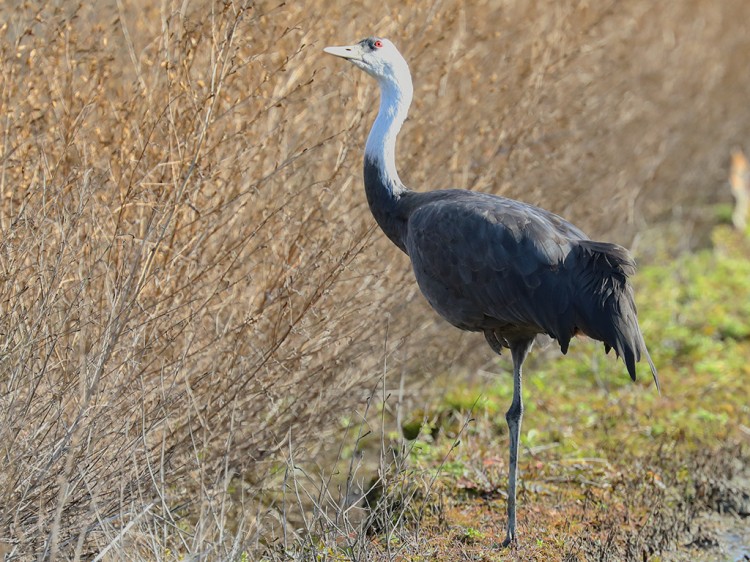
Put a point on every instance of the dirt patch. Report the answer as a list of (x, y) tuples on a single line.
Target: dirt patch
[(724, 532), (688, 515)]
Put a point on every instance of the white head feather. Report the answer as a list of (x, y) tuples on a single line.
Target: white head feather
[(381, 60)]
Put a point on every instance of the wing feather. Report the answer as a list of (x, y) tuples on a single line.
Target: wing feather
[(487, 262)]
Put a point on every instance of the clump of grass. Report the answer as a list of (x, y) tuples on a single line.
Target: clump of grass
[(356, 508)]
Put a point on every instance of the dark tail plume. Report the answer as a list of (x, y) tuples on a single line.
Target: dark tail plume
[(605, 306)]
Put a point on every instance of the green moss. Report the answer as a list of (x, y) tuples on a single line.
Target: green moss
[(472, 535)]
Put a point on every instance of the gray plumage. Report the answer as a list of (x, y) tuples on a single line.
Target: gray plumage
[(490, 264)]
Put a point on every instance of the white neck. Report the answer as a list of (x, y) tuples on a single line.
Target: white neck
[(395, 99)]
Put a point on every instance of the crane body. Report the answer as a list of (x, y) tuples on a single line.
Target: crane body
[(491, 264)]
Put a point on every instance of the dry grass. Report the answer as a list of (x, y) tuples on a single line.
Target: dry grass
[(190, 278)]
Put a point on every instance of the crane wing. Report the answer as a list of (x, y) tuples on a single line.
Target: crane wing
[(486, 262)]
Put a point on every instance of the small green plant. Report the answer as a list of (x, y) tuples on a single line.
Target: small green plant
[(472, 535)]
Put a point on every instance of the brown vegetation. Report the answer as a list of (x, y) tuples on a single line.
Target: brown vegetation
[(190, 277)]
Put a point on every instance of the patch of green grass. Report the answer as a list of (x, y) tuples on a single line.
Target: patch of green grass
[(472, 535)]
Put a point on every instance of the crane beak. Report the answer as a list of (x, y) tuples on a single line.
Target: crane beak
[(352, 52)]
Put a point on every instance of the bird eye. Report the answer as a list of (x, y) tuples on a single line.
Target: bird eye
[(377, 44)]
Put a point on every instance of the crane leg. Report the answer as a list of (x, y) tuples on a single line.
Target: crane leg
[(518, 350)]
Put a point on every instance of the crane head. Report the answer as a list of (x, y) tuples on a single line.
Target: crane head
[(378, 57)]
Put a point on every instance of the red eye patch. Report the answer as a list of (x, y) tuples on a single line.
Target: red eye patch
[(378, 44)]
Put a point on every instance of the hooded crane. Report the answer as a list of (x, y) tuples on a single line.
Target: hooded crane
[(490, 264)]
